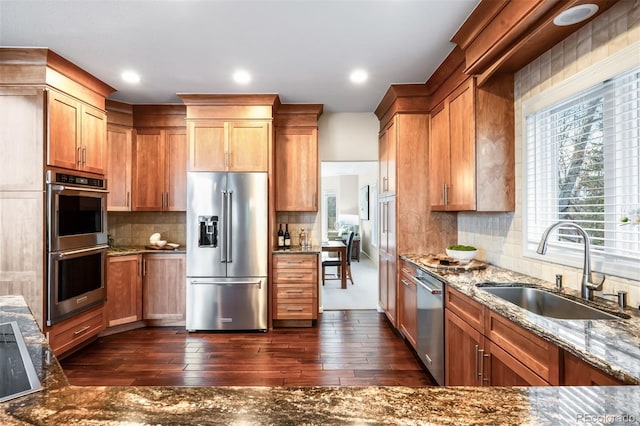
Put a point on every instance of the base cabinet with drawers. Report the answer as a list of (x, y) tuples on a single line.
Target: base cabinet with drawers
[(295, 287), (483, 348)]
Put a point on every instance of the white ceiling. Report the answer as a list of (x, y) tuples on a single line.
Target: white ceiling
[(302, 50)]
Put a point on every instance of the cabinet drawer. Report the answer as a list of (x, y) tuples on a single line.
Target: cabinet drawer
[(302, 276), (298, 309), (466, 308), (534, 352), (408, 269), (292, 261), (70, 333), (289, 291)]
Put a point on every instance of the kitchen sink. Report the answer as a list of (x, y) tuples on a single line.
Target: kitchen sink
[(547, 304)]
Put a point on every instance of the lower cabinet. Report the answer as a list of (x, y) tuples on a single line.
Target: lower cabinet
[(579, 373), (124, 290), (71, 333), (164, 288), (295, 286), (408, 302)]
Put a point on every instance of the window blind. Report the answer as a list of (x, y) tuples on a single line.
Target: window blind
[(582, 166)]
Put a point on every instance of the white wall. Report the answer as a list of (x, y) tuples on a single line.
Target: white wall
[(348, 137), (499, 236)]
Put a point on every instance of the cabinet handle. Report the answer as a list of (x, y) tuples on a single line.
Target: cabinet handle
[(295, 291), (405, 282), (79, 155), (166, 201), (82, 330), (144, 267), (84, 155), (445, 195), (385, 187), (481, 374), (128, 198), (485, 379), (295, 276), (476, 369), (295, 309)]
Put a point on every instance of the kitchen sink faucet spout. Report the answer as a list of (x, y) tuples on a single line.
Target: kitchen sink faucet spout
[(588, 285)]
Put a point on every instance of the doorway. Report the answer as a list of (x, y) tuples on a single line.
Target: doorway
[(349, 192)]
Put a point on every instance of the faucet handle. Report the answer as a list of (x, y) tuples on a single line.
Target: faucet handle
[(596, 285)]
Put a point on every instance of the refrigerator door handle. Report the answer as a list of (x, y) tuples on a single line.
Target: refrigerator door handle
[(223, 239), (229, 217), (257, 283)]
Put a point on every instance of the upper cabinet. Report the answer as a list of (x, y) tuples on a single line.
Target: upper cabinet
[(471, 148), (229, 132), (119, 155), (387, 159), (296, 157), (234, 146)]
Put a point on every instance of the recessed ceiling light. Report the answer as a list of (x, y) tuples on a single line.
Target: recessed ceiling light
[(575, 14), (241, 77), (358, 76), (130, 77)]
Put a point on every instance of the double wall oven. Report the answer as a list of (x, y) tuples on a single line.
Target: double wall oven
[(76, 221)]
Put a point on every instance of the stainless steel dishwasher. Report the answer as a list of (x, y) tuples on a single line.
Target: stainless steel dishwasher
[(430, 342)]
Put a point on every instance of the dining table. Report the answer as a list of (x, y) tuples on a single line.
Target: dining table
[(340, 248)]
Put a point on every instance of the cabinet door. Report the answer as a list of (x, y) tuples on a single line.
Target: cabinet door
[(118, 172), (579, 373), (387, 156), (439, 163), (124, 290), (462, 195), (383, 300), (207, 146), (499, 368), (148, 171), (163, 287), (463, 346), (175, 170), (94, 124), (248, 146), (64, 131), (296, 169)]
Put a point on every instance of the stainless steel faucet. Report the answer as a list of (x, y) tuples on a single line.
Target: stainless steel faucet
[(588, 285)]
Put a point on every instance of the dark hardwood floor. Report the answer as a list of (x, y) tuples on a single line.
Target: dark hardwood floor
[(347, 348)]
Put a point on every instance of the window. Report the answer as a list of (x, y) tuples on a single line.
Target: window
[(582, 165)]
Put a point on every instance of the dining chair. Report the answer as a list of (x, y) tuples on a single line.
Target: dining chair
[(337, 262)]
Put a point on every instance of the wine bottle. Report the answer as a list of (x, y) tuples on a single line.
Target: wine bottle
[(287, 238), (280, 238)]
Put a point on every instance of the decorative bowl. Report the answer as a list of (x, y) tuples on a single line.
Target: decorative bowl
[(161, 243), (462, 256), (154, 237)]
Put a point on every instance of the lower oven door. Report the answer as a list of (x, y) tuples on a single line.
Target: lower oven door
[(76, 282)]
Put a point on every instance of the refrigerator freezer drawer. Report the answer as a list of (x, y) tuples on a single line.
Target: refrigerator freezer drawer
[(227, 304)]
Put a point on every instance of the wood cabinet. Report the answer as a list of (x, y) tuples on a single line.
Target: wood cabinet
[(77, 134), (295, 286), (296, 169), (471, 148), (576, 372), (387, 259), (483, 348), (75, 331), (119, 167), (159, 171), (234, 146), (408, 302), (164, 288), (124, 290)]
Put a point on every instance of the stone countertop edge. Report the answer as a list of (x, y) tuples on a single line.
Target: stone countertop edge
[(298, 250), (610, 345), (61, 403), (127, 251)]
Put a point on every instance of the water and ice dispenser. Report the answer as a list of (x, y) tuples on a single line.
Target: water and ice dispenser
[(208, 231)]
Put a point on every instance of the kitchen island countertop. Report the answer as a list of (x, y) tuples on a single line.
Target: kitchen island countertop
[(61, 403)]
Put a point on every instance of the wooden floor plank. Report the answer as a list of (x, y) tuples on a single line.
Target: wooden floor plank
[(346, 348)]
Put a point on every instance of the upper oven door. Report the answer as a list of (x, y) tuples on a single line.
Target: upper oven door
[(77, 217)]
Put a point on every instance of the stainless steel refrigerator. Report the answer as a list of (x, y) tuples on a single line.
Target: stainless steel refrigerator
[(227, 251)]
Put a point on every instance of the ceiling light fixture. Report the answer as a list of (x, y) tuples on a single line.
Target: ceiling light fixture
[(358, 76), (575, 14), (130, 77), (241, 77)]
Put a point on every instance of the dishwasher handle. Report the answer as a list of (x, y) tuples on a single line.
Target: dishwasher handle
[(430, 289)]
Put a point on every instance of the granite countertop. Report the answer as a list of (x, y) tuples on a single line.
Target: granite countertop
[(125, 251), (298, 250), (61, 403), (610, 345)]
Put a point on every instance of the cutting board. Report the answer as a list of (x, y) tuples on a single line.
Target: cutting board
[(442, 261)]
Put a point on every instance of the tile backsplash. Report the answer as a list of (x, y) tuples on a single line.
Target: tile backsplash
[(310, 221), (134, 228)]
